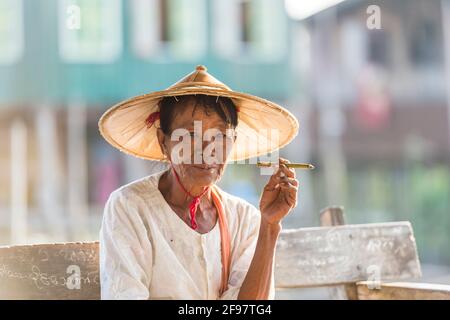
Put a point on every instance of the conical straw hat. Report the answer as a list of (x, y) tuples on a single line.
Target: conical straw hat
[(263, 126)]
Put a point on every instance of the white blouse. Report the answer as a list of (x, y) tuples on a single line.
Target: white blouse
[(148, 252)]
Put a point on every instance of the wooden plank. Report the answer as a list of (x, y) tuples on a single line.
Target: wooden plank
[(403, 291), (50, 271), (345, 254), (334, 216), (304, 257)]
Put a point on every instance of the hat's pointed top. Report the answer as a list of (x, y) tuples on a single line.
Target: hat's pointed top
[(201, 67), (199, 77)]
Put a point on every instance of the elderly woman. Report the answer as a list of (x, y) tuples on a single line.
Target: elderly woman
[(175, 234)]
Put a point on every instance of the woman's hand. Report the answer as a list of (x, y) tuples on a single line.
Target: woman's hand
[(279, 195)]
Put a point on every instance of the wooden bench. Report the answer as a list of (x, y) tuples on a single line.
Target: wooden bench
[(356, 260)]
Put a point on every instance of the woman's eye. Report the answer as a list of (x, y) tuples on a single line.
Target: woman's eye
[(220, 137)]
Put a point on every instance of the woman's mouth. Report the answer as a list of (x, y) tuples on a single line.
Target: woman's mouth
[(204, 167)]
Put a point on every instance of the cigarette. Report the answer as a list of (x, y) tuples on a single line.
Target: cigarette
[(289, 165)]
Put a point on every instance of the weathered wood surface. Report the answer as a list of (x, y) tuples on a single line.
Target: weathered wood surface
[(402, 291), (334, 216), (50, 271), (345, 254), (304, 257)]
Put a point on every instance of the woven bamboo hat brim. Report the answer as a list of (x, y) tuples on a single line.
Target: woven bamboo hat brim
[(263, 126)]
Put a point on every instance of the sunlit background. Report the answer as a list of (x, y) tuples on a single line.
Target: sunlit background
[(373, 105)]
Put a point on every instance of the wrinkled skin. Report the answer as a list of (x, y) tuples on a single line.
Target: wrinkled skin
[(279, 195)]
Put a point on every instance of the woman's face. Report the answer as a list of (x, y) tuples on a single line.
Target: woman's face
[(199, 144)]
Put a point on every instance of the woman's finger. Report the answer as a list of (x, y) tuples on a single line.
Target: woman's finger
[(292, 181), (290, 172), (289, 195), (283, 174), (274, 180), (288, 186)]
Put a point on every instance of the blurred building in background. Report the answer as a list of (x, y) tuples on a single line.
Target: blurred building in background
[(373, 104), (379, 119), (63, 63)]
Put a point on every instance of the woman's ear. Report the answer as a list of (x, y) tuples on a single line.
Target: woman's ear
[(162, 141)]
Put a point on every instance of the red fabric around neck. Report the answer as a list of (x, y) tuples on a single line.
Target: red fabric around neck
[(195, 202), (223, 225)]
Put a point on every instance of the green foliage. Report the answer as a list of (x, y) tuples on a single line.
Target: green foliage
[(417, 193)]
